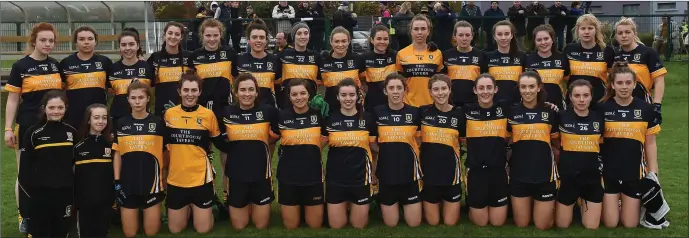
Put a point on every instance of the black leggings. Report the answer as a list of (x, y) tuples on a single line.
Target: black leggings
[(50, 212), (94, 221)]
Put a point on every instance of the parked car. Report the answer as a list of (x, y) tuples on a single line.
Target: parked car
[(360, 42)]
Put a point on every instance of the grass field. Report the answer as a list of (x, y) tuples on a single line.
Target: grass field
[(672, 153)]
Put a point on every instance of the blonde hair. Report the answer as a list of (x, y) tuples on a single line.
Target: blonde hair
[(212, 22), (591, 20), (625, 21), (405, 7), (421, 17)]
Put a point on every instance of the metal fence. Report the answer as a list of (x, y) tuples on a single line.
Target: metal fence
[(647, 24)]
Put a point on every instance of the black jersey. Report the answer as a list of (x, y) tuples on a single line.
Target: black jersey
[(440, 157), (217, 69), (486, 130), (626, 128), (553, 71), (249, 133), (266, 70), (398, 156), (47, 156), (531, 129), (591, 65), (349, 157), (299, 160), (119, 78), (93, 172), (580, 139), (647, 65), (167, 71), (334, 70), (376, 68), (506, 70), (463, 69), (31, 79), (298, 64), (86, 84), (140, 145)]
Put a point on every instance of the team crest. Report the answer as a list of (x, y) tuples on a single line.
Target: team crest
[(259, 115), (70, 137), (142, 72), (68, 211), (151, 127), (269, 65), (223, 54), (453, 122), (408, 118), (474, 60), (430, 57), (199, 121), (516, 60), (99, 65), (54, 67), (498, 111), (637, 57), (312, 59), (108, 151), (544, 116), (637, 114), (362, 123), (350, 63), (596, 126), (314, 119), (599, 56), (558, 63), (389, 60), (184, 61)]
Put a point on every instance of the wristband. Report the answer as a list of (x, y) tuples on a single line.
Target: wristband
[(8, 129)]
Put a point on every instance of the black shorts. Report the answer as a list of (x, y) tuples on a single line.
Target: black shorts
[(241, 194), (630, 188), (405, 194), (143, 201), (543, 192), (586, 186), (179, 197), (487, 187), (359, 195), (20, 130), (437, 193), (300, 195)]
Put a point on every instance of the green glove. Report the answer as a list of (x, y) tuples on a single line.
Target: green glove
[(168, 105), (318, 103)]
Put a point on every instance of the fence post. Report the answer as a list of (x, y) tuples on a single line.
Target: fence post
[(670, 41), (326, 39), (19, 33)]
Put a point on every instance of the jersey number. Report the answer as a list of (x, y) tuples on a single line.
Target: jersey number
[(396, 119), (139, 128), (442, 120), (532, 117), (584, 128)]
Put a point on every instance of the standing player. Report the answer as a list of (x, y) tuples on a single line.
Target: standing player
[(300, 169), (85, 74), (93, 172), (31, 77), (581, 131), (262, 65), (378, 64), (46, 175), (127, 70), (298, 62), (168, 65), (551, 65), (339, 64), (398, 169), (533, 171), (349, 173), (138, 163), (589, 57), (645, 63), (418, 62), (463, 64), (189, 130), (441, 124), (249, 169), (629, 151), (486, 179), (506, 63), (216, 66)]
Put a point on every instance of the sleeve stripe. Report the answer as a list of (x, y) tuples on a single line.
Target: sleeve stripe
[(12, 88), (660, 72), (653, 130)]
